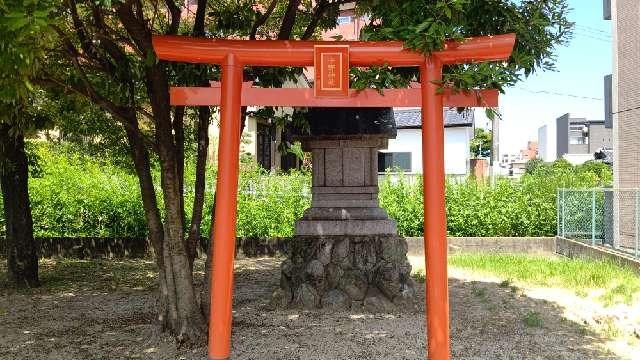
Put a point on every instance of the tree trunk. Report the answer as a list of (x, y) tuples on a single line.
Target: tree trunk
[(204, 113), (178, 135), (22, 251), (179, 306), (184, 318), (142, 165)]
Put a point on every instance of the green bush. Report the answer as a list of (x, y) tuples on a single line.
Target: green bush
[(269, 205), (525, 207), (76, 195), (79, 196)]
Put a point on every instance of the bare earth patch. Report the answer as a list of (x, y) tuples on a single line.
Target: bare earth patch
[(618, 324), (110, 316)]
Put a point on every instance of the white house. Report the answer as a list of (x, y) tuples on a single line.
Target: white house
[(405, 151)]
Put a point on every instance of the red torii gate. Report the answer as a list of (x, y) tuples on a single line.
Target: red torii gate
[(231, 94)]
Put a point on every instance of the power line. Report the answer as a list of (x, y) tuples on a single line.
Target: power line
[(559, 94), (580, 33), (592, 29), (590, 36), (625, 110)]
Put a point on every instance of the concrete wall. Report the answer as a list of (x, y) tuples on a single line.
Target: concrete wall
[(456, 148), (625, 16), (90, 247), (577, 250), (503, 245), (263, 246)]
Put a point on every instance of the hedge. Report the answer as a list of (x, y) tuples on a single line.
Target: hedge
[(73, 195)]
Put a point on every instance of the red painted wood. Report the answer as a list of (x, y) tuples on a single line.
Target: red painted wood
[(304, 97), (300, 53)]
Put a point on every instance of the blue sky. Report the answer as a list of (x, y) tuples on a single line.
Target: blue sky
[(581, 67)]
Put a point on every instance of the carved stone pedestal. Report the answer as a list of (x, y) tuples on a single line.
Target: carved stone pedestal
[(346, 252)]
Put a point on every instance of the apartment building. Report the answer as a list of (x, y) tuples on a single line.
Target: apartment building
[(622, 110), (624, 104)]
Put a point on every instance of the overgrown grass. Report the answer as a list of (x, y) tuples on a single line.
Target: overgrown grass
[(620, 284)]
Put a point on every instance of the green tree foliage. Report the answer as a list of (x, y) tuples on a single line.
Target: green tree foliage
[(540, 26), (480, 145), (24, 37), (533, 165), (98, 198)]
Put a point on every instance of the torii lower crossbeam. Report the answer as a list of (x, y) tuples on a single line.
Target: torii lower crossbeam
[(296, 97), (233, 55)]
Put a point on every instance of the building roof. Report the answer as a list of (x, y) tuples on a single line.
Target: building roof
[(412, 119)]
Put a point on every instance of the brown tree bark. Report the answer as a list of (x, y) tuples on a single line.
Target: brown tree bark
[(178, 135), (142, 165), (204, 114), (184, 316), (22, 251)]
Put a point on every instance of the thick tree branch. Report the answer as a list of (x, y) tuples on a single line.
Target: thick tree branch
[(178, 136), (320, 9), (262, 19), (136, 27), (78, 25), (175, 17), (90, 52), (289, 20), (198, 23), (202, 138)]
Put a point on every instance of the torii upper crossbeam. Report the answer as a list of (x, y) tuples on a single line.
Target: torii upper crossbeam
[(233, 55)]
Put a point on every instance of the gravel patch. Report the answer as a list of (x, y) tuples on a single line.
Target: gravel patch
[(487, 322)]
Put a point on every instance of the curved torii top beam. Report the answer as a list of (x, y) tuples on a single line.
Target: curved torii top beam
[(300, 53)]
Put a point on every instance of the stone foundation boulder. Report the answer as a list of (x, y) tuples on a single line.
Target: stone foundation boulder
[(345, 272)]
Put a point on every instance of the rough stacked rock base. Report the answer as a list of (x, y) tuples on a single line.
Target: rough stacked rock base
[(346, 272)]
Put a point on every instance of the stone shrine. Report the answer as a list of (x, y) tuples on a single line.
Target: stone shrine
[(346, 251)]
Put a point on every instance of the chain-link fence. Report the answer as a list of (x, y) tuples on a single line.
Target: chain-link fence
[(601, 217)]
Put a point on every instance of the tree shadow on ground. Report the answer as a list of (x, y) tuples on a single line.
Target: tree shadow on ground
[(487, 322)]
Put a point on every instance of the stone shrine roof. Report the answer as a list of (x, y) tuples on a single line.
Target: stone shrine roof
[(351, 121)]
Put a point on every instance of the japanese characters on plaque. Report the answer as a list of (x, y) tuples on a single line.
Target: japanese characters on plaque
[(331, 65)]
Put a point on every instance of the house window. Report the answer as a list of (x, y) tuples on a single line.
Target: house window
[(344, 20), (578, 135), (394, 161), (264, 146)]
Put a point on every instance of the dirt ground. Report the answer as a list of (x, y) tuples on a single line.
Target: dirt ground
[(115, 322)]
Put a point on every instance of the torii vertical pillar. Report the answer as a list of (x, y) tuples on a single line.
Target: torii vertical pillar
[(435, 228), (224, 228)]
